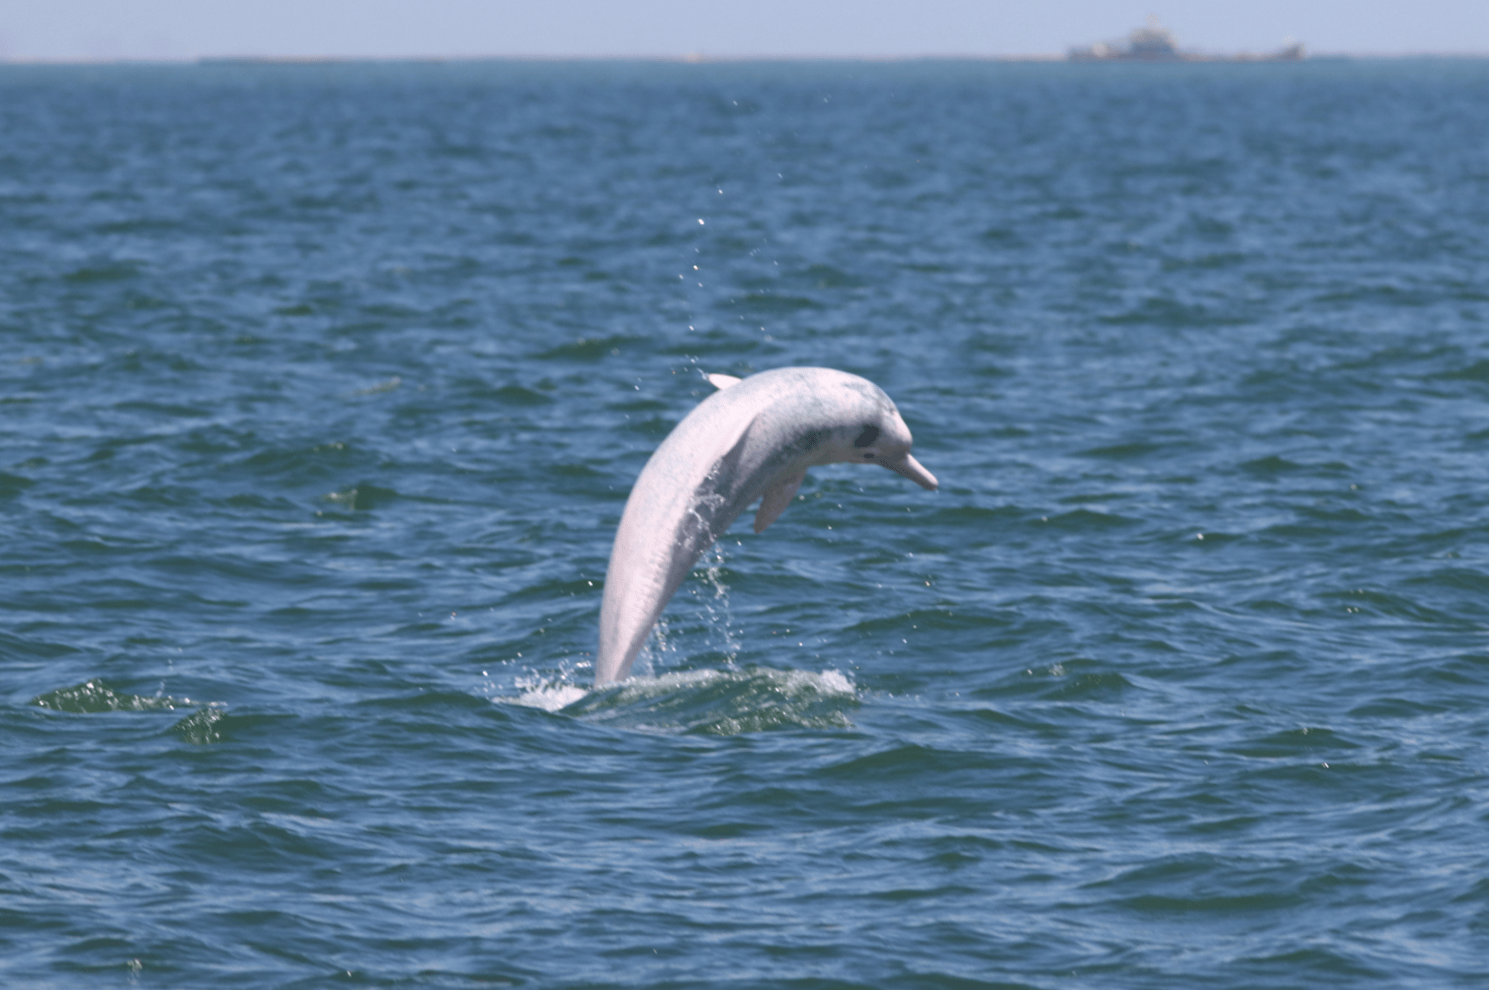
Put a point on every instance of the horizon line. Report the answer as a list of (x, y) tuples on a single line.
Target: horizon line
[(689, 58)]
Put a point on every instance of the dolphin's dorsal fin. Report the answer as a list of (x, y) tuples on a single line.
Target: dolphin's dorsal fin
[(777, 497), (722, 381)]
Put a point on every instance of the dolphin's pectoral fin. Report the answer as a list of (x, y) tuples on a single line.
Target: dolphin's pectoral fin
[(777, 497), (722, 381)]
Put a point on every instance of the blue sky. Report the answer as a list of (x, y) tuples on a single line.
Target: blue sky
[(69, 29)]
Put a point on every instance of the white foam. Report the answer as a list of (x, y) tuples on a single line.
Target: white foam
[(551, 699), (547, 695), (835, 682), (774, 696), (673, 680)]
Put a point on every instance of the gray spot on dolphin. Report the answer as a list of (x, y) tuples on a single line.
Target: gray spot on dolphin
[(752, 440)]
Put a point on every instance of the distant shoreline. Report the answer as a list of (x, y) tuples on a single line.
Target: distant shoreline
[(700, 59)]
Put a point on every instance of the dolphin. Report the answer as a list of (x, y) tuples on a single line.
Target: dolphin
[(752, 439)]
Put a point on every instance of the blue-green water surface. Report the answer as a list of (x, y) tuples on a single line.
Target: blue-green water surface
[(322, 388)]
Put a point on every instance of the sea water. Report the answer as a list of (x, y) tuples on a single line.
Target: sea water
[(323, 386)]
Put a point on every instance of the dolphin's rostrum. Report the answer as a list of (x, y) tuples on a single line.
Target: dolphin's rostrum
[(753, 439)]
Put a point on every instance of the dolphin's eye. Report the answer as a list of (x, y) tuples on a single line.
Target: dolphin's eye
[(868, 436)]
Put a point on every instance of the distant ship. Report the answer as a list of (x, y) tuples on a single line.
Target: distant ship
[(1154, 44)]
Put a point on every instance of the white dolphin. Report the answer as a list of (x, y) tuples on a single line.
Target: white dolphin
[(753, 439)]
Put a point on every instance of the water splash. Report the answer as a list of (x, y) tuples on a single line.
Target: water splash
[(92, 697), (666, 647), (723, 702), (708, 700), (548, 693), (95, 697), (713, 595)]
